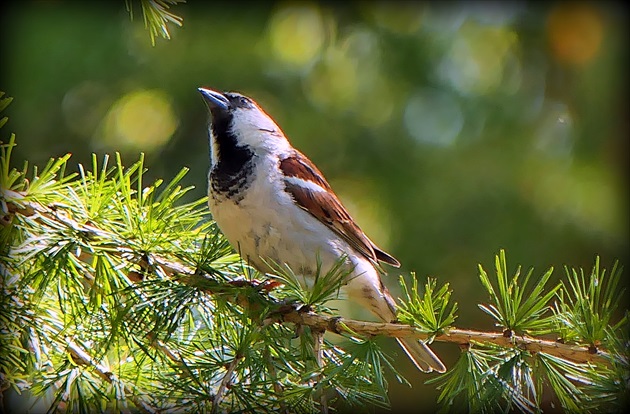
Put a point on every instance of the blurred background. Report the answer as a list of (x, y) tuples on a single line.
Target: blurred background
[(450, 130)]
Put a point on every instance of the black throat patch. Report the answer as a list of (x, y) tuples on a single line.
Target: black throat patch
[(233, 172)]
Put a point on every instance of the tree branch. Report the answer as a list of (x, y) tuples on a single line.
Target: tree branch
[(462, 337)]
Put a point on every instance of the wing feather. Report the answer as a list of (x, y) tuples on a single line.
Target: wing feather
[(311, 191)]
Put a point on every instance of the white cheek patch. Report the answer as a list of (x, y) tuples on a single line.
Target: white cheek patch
[(307, 185), (254, 119), (255, 128)]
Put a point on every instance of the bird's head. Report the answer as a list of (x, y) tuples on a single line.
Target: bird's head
[(236, 120)]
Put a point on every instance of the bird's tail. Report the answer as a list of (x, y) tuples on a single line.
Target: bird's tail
[(368, 290), (421, 355)]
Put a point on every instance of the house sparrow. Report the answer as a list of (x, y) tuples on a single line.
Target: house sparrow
[(274, 205)]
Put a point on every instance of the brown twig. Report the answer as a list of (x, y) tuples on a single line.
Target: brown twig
[(277, 386), (318, 350), (225, 383), (580, 354), (81, 357)]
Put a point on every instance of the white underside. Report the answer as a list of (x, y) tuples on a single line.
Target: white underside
[(267, 224)]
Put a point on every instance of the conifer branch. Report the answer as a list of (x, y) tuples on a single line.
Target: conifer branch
[(157, 289), (156, 15), (338, 325), (462, 337)]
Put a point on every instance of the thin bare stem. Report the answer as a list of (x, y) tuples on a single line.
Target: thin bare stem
[(277, 387), (81, 357), (225, 382), (318, 350)]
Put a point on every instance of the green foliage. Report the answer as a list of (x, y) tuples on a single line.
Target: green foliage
[(489, 378), (323, 287), (4, 102), (466, 386), (586, 309), (430, 312), (610, 391), (130, 298), (156, 16), (514, 307)]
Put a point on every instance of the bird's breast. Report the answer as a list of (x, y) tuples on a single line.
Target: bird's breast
[(265, 223)]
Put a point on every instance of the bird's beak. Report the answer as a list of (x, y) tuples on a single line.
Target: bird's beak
[(213, 99)]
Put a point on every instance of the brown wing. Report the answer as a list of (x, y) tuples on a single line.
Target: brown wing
[(326, 207)]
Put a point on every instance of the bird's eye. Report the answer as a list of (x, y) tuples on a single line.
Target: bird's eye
[(243, 101)]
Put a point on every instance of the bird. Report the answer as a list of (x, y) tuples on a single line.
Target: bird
[(274, 206)]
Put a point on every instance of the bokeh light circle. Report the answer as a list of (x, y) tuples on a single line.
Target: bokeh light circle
[(433, 116), (142, 119)]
